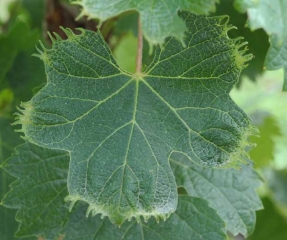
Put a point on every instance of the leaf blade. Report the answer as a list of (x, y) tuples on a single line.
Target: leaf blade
[(120, 129), (230, 192), (156, 26), (193, 218)]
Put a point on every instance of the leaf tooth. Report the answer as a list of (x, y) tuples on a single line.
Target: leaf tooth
[(38, 50), (69, 33), (72, 201), (82, 30), (229, 27), (36, 55), (42, 45), (138, 219), (19, 109), (51, 37), (17, 122), (147, 217), (19, 130), (224, 20), (241, 44), (58, 38), (89, 210), (238, 39)]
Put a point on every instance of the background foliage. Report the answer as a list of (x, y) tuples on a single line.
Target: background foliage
[(259, 93)]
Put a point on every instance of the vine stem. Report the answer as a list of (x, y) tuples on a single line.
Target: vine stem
[(140, 48)]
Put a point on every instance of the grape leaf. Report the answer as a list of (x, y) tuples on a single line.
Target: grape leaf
[(193, 219), (159, 19), (263, 154), (42, 211), (277, 57), (120, 129), (230, 192), (39, 190), (276, 181), (11, 44), (8, 139), (270, 16), (266, 14), (255, 65)]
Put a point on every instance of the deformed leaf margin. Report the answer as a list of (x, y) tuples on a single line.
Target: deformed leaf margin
[(236, 158)]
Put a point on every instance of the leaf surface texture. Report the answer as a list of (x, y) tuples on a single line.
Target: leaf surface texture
[(231, 192)]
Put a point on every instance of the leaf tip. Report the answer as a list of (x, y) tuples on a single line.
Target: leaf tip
[(69, 33)]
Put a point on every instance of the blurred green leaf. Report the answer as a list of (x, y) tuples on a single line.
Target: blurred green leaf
[(4, 10), (277, 183), (258, 42), (159, 18), (125, 53), (269, 15), (11, 44), (26, 75), (36, 11), (270, 224), (20, 72), (263, 153), (277, 57), (126, 25), (265, 14)]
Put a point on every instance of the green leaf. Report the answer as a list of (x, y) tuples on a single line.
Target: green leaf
[(230, 192), (263, 154), (193, 219), (265, 14), (269, 16), (36, 11), (10, 45), (155, 23), (42, 210), (270, 224), (120, 129), (258, 40), (125, 52), (18, 69), (276, 181), (277, 57), (4, 11), (39, 190), (8, 139)]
